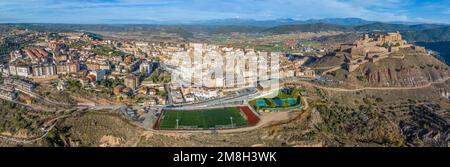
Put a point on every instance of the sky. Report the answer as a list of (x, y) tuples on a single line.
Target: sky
[(184, 11)]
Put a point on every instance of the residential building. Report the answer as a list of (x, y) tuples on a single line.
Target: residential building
[(23, 85), (23, 71), (99, 74), (131, 81), (7, 94), (43, 70), (64, 68)]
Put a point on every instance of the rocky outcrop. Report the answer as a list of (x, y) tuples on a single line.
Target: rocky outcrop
[(414, 69)]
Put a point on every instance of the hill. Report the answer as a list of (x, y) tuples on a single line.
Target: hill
[(413, 70), (420, 27), (429, 35), (284, 21), (340, 21), (412, 33), (382, 27), (246, 22), (230, 28), (442, 48), (284, 29)]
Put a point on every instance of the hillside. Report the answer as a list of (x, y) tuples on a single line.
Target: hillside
[(340, 21), (415, 32), (442, 48), (284, 29), (429, 35), (414, 70), (382, 27), (231, 29), (420, 27)]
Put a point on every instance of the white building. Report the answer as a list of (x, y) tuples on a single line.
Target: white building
[(4, 70), (23, 71), (145, 68), (190, 98), (207, 94)]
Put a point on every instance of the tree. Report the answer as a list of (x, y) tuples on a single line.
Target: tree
[(270, 103), (378, 100), (73, 85), (361, 78), (106, 83)]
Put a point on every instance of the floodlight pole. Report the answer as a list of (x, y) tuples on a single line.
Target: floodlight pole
[(177, 124), (231, 119)]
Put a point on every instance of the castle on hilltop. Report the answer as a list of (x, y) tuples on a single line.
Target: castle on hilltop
[(374, 47)]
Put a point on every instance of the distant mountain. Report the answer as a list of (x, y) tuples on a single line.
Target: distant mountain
[(87, 27), (378, 26), (317, 27), (289, 21), (416, 32), (420, 27), (429, 35), (286, 21), (404, 22), (341, 21), (230, 29), (247, 22)]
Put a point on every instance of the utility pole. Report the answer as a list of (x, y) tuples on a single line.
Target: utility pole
[(231, 119)]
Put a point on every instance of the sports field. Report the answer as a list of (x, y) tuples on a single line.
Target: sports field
[(206, 119)]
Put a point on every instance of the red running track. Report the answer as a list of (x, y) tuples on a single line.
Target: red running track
[(251, 117)]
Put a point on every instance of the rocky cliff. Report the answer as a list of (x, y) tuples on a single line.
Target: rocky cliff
[(406, 68)]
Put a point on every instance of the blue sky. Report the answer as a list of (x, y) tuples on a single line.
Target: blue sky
[(180, 11)]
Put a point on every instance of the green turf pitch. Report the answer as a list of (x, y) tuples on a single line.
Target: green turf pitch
[(209, 118)]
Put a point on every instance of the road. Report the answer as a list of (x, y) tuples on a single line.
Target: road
[(235, 99), (298, 81), (222, 101), (27, 105), (101, 107), (169, 93), (45, 99), (30, 140), (334, 68), (55, 121)]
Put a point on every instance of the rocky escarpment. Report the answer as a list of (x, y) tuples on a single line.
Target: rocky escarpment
[(405, 68)]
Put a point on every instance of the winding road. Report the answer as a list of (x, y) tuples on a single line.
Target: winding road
[(34, 139), (297, 81)]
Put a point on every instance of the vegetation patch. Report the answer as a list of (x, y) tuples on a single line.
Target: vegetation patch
[(288, 98)]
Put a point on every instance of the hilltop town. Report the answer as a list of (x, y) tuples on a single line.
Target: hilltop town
[(130, 68), (374, 48)]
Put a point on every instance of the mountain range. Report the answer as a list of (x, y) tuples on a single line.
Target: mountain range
[(426, 32), (289, 21), (278, 22)]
